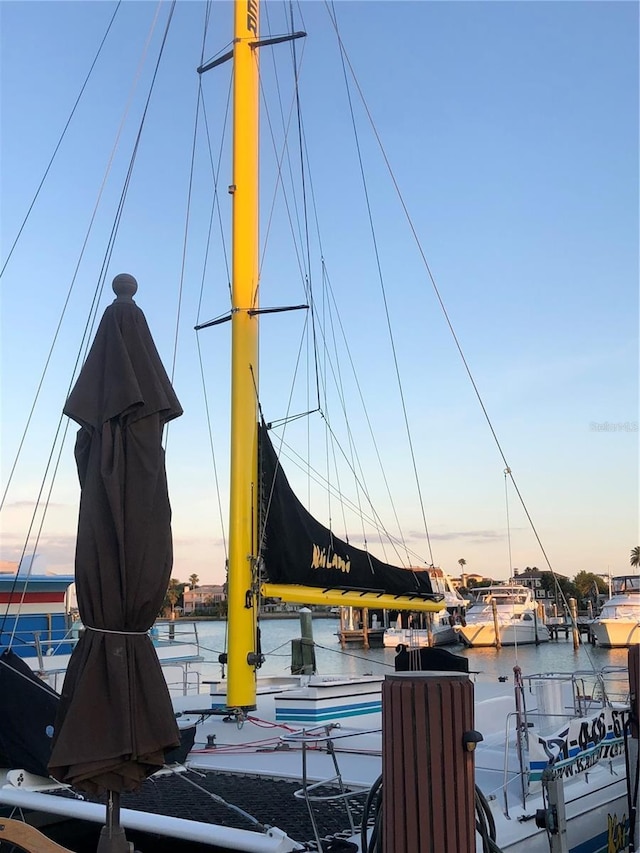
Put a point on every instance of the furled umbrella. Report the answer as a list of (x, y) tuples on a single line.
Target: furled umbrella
[(115, 719)]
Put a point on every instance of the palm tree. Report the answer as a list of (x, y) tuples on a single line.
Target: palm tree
[(634, 559), (462, 563), (173, 594), (194, 580)]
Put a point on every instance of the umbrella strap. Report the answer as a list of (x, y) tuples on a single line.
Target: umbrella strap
[(107, 631)]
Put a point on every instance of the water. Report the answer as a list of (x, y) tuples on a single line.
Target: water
[(331, 659)]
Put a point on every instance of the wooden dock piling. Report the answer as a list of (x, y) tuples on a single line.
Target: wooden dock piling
[(303, 653), (573, 609), (496, 623)]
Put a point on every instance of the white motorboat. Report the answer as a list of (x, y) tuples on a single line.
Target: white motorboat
[(618, 623), (436, 629), (504, 615)]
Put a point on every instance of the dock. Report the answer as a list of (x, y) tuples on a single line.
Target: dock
[(560, 626), (361, 628)]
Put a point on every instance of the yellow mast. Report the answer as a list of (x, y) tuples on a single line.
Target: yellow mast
[(242, 591), (242, 600)]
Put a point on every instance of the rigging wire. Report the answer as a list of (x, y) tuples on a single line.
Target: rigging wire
[(185, 236), (307, 279), (84, 344), (73, 281), (38, 504), (506, 501), (513, 614), (360, 482), (60, 140), (335, 368), (216, 168), (200, 113), (319, 328), (381, 278), (302, 230), (374, 520), (353, 453), (437, 293), (220, 800)]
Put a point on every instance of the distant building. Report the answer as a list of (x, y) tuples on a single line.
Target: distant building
[(533, 579), (469, 578), (202, 596)]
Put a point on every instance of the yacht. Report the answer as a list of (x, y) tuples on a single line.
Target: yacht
[(437, 629), (503, 615), (618, 625)]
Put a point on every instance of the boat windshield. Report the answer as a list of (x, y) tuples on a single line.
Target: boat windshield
[(625, 585), (507, 599)]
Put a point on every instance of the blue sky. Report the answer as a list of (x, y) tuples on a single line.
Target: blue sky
[(512, 132)]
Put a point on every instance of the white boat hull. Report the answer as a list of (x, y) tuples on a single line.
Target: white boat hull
[(504, 614), (618, 624), (419, 637), (616, 633), (483, 634)]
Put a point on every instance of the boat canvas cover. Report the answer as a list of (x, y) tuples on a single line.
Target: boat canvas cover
[(297, 549), (116, 718), (28, 707)]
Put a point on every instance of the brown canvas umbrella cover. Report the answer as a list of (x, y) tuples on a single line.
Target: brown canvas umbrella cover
[(116, 719)]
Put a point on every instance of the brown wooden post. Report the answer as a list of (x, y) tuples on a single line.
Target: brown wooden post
[(496, 623), (573, 607), (427, 768), (430, 629)]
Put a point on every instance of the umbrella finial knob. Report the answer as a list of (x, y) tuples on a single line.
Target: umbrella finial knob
[(124, 286)]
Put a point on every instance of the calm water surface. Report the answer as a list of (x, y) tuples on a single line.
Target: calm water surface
[(331, 659)]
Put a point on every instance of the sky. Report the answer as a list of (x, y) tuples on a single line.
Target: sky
[(508, 172)]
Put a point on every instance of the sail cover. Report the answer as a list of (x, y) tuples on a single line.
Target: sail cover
[(297, 549)]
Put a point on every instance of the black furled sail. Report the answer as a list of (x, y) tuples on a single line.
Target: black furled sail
[(297, 549)]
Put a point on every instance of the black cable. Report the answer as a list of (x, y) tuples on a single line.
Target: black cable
[(487, 810), (373, 804), (485, 824)]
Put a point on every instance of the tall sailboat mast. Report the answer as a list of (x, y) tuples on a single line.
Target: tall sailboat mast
[(243, 534), (242, 593)]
